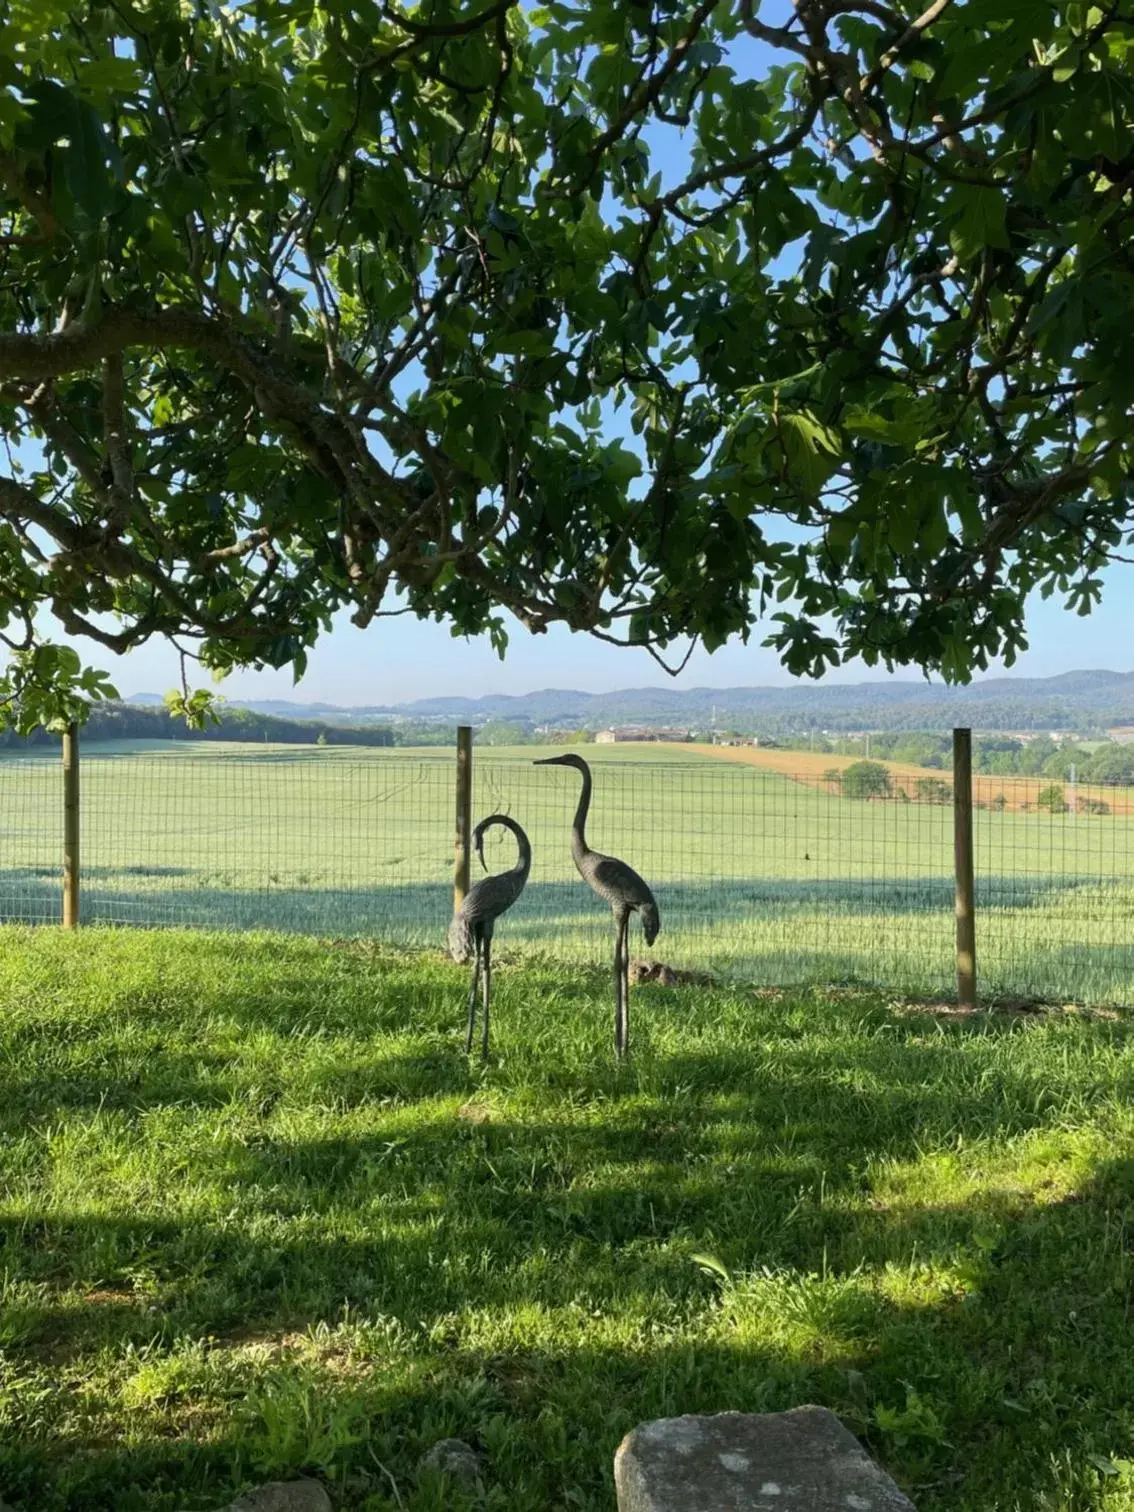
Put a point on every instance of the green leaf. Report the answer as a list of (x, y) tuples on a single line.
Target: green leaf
[(810, 447), (841, 532), (980, 221), (910, 422), (1102, 120), (523, 344), (1104, 1464), (1059, 318), (863, 422), (70, 125)]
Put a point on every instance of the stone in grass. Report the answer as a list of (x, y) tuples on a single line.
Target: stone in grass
[(284, 1496), (798, 1461), (455, 1458)]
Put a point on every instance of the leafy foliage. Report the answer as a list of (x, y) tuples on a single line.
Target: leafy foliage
[(1110, 763), (933, 790), (866, 779), (1097, 806), (46, 686), (313, 307), (198, 709)]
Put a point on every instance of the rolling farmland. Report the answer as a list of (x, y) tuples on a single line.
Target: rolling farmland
[(811, 767), (760, 871)]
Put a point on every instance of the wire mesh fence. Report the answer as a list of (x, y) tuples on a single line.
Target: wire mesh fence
[(775, 876), (31, 831)]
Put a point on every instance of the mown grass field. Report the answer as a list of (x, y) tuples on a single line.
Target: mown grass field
[(758, 875), (258, 1217)]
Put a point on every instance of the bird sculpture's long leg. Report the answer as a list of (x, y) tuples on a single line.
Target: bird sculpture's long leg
[(472, 995), (487, 995), (621, 984), (617, 985), (624, 985)]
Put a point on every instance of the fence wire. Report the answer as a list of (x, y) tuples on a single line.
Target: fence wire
[(773, 876)]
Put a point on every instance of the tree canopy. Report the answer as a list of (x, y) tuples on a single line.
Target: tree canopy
[(866, 779), (659, 319)]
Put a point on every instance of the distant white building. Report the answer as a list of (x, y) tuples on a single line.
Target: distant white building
[(638, 732)]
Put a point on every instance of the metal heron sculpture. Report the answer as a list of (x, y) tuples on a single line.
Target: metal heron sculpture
[(620, 886), (470, 933)]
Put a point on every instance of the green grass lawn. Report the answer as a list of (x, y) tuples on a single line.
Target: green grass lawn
[(258, 1216), (758, 876)]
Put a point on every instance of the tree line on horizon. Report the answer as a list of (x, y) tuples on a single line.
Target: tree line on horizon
[(121, 721), (1109, 761)]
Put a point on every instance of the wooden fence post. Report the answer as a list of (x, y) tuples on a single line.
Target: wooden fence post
[(963, 861), (71, 827), (462, 839)]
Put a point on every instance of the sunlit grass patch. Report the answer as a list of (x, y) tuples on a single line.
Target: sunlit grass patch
[(259, 1217)]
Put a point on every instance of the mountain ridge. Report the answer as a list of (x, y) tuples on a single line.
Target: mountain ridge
[(1087, 698)]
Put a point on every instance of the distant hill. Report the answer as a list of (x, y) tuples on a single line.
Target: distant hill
[(139, 719), (1078, 701)]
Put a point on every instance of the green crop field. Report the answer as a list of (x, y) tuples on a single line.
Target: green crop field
[(259, 1217), (757, 875)]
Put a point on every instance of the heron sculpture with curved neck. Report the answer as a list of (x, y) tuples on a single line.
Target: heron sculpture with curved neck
[(620, 886), (470, 933)]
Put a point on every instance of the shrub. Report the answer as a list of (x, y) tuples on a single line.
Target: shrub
[(866, 779), (1051, 798), (933, 790), (1093, 806)]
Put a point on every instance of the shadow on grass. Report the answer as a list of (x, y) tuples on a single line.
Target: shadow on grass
[(525, 1275), (453, 1240), (548, 910), (1038, 935), (1003, 1394)]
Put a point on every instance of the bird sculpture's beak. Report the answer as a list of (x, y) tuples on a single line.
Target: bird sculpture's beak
[(550, 761)]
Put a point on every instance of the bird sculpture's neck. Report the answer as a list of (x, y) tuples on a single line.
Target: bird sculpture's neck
[(524, 859), (579, 846)]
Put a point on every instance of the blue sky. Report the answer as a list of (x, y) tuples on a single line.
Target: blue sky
[(399, 659)]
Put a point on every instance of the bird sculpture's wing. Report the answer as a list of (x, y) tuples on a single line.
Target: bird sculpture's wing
[(484, 902), (492, 896), (619, 884)]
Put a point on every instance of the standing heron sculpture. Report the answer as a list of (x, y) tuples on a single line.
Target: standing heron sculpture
[(470, 933), (620, 886)]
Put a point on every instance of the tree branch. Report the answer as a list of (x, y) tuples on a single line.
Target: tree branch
[(912, 33), (117, 442)]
